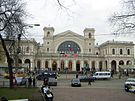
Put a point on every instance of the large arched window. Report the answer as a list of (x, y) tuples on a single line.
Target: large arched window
[(69, 47)]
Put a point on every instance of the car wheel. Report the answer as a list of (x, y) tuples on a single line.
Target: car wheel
[(126, 89)]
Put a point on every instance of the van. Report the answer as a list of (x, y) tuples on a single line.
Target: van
[(102, 75)]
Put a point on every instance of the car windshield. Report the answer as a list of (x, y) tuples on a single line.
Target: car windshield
[(18, 78), (130, 80), (75, 80), (52, 79)]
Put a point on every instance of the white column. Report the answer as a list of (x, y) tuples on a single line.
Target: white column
[(58, 63), (109, 65), (50, 63), (66, 63), (31, 64), (82, 64), (89, 62), (97, 65), (103, 65), (74, 65), (43, 64), (117, 68)]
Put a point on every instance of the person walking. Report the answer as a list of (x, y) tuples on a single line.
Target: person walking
[(45, 82), (77, 75), (89, 82), (29, 81), (34, 82)]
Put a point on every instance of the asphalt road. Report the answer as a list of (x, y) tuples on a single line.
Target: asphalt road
[(91, 94), (100, 90)]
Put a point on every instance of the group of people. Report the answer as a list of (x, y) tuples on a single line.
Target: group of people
[(31, 82)]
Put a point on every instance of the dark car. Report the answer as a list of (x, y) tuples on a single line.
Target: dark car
[(75, 82), (52, 82), (46, 74), (41, 76), (85, 78)]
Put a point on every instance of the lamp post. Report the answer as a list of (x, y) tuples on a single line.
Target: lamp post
[(17, 50)]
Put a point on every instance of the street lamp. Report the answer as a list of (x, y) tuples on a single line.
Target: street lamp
[(31, 25), (18, 49)]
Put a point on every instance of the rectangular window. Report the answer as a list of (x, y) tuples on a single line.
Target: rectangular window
[(121, 52), (113, 51)]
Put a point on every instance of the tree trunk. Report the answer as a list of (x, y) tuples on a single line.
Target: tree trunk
[(9, 61)]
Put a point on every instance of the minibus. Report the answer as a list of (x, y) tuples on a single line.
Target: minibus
[(102, 75)]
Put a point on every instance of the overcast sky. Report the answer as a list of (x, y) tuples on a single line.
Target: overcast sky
[(80, 14)]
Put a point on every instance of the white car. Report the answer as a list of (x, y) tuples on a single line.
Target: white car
[(130, 85)]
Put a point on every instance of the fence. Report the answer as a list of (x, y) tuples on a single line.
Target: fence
[(4, 83)]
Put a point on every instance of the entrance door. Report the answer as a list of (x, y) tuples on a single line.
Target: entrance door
[(54, 66), (78, 65), (113, 66)]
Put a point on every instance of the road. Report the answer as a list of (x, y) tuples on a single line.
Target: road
[(100, 90), (91, 94)]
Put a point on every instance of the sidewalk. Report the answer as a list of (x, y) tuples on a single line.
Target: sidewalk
[(66, 76), (71, 76)]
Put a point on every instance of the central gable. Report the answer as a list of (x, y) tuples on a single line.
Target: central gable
[(68, 33)]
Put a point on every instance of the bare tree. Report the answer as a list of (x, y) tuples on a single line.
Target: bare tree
[(123, 22), (12, 15)]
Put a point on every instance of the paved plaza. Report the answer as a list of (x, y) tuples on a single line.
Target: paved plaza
[(100, 90)]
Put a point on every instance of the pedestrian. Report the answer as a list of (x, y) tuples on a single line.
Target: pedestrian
[(77, 75), (25, 83), (112, 72), (34, 82), (89, 82), (45, 82), (29, 81)]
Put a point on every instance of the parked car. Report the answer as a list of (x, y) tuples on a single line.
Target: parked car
[(85, 78), (102, 75), (20, 80), (75, 82), (130, 85), (52, 82), (46, 74)]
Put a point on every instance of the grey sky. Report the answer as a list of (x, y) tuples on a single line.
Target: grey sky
[(79, 15)]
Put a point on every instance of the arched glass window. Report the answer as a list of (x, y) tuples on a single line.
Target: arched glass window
[(113, 51), (121, 52), (69, 47), (128, 51)]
